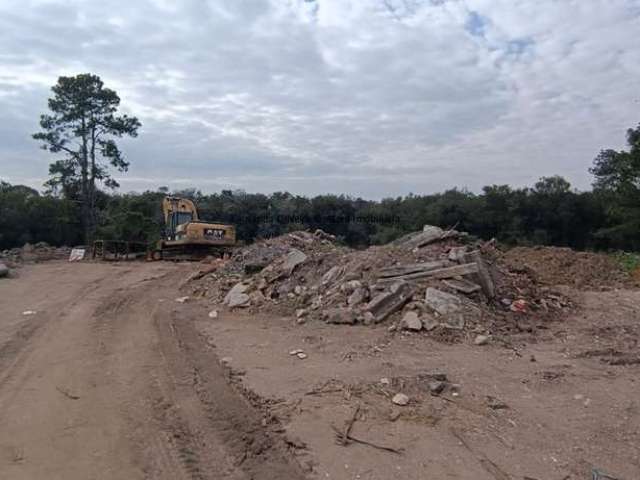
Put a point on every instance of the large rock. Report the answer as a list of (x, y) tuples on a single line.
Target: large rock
[(387, 303), (4, 270), (237, 296)]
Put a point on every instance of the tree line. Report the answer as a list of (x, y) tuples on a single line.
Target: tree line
[(81, 202), (548, 213)]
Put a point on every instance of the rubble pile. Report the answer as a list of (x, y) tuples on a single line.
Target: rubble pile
[(437, 281), (37, 252)]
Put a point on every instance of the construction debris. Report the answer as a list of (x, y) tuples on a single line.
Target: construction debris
[(33, 253), (437, 281), (4, 270), (400, 399)]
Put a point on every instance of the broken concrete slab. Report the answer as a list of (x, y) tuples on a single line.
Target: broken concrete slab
[(429, 323), (411, 321), (454, 321), (332, 275), (442, 302), (237, 296), (462, 285), (294, 258), (4, 270), (399, 270), (350, 286), (387, 303), (483, 276), (439, 273), (431, 234), (359, 295)]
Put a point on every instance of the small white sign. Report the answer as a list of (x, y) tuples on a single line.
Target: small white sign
[(76, 254)]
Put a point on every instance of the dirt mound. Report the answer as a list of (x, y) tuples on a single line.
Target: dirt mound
[(563, 266), (436, 281)]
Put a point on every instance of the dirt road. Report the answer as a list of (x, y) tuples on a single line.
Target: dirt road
[(106, 380), (110, 378)]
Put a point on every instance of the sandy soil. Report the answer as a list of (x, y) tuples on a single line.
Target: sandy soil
[(106, 381), (111, 378)]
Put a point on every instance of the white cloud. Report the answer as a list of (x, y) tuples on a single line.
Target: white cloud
[(370, 97)]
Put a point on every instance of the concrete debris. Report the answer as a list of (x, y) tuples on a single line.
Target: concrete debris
[(182, 299), (4, 270), (358, 296), (483, 275), (481, 340), (213, 314), (296, 351), (411, 321), (457, 254), (33, 253), (400, 399), (239, 300), (237, 296), (387, 303), (454, 322), (447, 280), (438, 273), (430, 234), (332, 275), (429, 323), (461, 285), (348, 287), (294, 258), (400, 270), (301, 355), (339, 316), (441, 302), (28, 313)]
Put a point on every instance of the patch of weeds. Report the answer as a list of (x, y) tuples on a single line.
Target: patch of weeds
[(629, 261)]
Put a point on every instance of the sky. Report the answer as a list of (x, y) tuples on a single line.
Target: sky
[(370, 98)]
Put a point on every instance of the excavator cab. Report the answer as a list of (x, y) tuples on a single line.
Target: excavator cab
[(185, 237)]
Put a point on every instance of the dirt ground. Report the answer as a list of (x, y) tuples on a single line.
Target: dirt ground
[(111, 378)]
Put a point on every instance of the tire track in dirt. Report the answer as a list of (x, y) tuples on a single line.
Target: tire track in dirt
[(15, 351), (213, 413)]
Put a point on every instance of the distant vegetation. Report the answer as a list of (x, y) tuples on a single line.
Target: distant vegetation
[(547, 213)]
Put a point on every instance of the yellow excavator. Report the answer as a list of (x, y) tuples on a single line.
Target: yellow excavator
[(185, 237)]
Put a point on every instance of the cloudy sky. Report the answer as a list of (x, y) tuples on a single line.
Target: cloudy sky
[(366, 97)]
